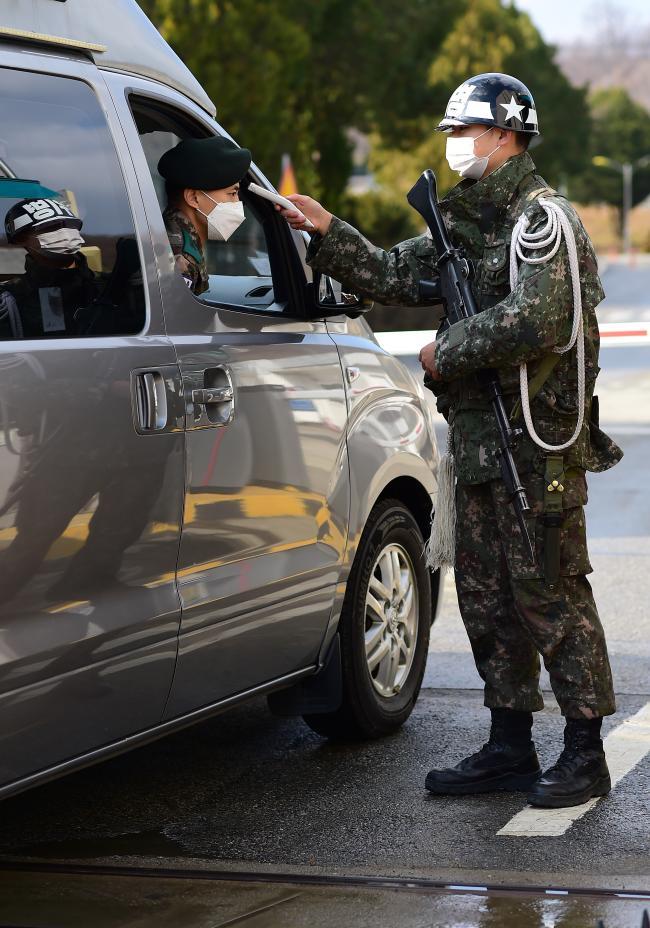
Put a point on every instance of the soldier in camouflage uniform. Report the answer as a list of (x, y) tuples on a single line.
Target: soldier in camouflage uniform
[(513, 610), (202, 179)]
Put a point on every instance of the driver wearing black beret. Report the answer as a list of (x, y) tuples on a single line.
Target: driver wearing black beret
[(202, 178)]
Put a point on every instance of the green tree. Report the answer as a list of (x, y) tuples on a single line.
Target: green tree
[(294, 76), (492, 36), (250, 56), (486, 35), (621, 131)]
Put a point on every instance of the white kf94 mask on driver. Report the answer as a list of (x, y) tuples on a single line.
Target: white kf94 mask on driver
[(224, 219), (462, 159)]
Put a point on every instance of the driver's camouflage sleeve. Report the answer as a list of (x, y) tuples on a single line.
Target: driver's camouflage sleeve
[(187, 250)]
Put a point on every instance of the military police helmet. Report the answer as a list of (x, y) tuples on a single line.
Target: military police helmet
[(492, 100), (35, 216)]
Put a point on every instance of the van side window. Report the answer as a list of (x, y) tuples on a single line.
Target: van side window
[(69, 257), (243, 272)]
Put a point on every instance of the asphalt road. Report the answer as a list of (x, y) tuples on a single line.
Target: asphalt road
[(249, 791)]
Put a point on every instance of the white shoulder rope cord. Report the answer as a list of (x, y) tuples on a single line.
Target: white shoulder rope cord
[(550, 238), (440, 549)]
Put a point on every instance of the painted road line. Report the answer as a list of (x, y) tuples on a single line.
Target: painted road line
[(625, 746), (613, 335)]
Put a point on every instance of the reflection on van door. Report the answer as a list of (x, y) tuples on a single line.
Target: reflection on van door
[(90, 484), (266, 503), (267, 489)]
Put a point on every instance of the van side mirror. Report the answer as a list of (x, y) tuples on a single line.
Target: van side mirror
[(332, 300)]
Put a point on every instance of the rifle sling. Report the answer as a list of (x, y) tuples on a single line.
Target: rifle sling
[(535, 384)]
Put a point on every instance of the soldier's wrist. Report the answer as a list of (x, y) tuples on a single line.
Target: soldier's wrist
[(322, 225)]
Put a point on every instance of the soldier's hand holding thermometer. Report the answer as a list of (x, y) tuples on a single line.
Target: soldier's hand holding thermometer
[(301, 212)]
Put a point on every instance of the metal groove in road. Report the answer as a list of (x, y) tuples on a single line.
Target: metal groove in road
[(238, 919), (404, 884)]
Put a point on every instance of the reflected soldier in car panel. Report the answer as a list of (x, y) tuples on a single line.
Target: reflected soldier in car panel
[(57, 280), (59, 472)]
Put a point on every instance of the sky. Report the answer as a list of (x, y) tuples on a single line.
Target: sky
[(562, 21)]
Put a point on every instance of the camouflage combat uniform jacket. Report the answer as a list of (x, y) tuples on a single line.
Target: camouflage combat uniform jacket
[(513, 609), (511, 328), (187, 250)]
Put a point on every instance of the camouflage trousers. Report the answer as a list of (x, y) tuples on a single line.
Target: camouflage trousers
[(512, 615)]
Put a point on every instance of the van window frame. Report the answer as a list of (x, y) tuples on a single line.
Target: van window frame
[(78, 68), (286, 262)]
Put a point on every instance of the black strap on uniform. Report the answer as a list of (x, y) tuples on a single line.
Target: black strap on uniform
[(553, 516)]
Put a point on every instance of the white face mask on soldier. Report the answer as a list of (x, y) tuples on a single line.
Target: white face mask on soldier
[(462, 158), (224, 219), (61, 241)]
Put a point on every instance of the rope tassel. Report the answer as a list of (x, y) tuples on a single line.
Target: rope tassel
[(441, 548)]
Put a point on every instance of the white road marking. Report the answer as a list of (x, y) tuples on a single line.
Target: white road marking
[(467, 889), (625, 746)]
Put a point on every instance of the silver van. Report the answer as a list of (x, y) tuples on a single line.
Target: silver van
[(201, 498)]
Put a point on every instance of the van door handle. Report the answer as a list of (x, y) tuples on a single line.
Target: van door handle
[(209, 398), (210, 395), (150, 401)]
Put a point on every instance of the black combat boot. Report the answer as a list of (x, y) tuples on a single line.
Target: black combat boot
[(580, 772), (507, 762)]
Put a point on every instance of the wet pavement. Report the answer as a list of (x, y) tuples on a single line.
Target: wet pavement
[(249, 792), (37, 900)]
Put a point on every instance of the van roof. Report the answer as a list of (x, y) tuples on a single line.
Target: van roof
[(129, 41)]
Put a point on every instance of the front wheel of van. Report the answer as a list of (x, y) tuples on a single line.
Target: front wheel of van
[(384, 629)]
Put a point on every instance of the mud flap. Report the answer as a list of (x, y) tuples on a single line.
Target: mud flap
[(315, 695)]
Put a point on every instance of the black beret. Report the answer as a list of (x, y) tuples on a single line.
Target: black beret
[(205, 164)]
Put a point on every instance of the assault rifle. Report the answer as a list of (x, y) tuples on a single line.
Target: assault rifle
[(453, 289)]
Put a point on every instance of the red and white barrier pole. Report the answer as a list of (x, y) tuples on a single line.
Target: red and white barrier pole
[(612, 334)]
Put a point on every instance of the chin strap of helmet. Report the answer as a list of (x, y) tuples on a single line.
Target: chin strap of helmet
[(548, 240)]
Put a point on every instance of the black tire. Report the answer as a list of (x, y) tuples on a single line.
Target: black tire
[(364, 713)]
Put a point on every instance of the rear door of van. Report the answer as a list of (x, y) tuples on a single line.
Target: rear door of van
[(91, 432), (267, 484)]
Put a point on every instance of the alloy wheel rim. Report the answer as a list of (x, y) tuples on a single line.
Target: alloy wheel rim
[(391, 620)]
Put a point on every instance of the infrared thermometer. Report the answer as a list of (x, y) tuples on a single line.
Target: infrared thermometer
[(274, 197)]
